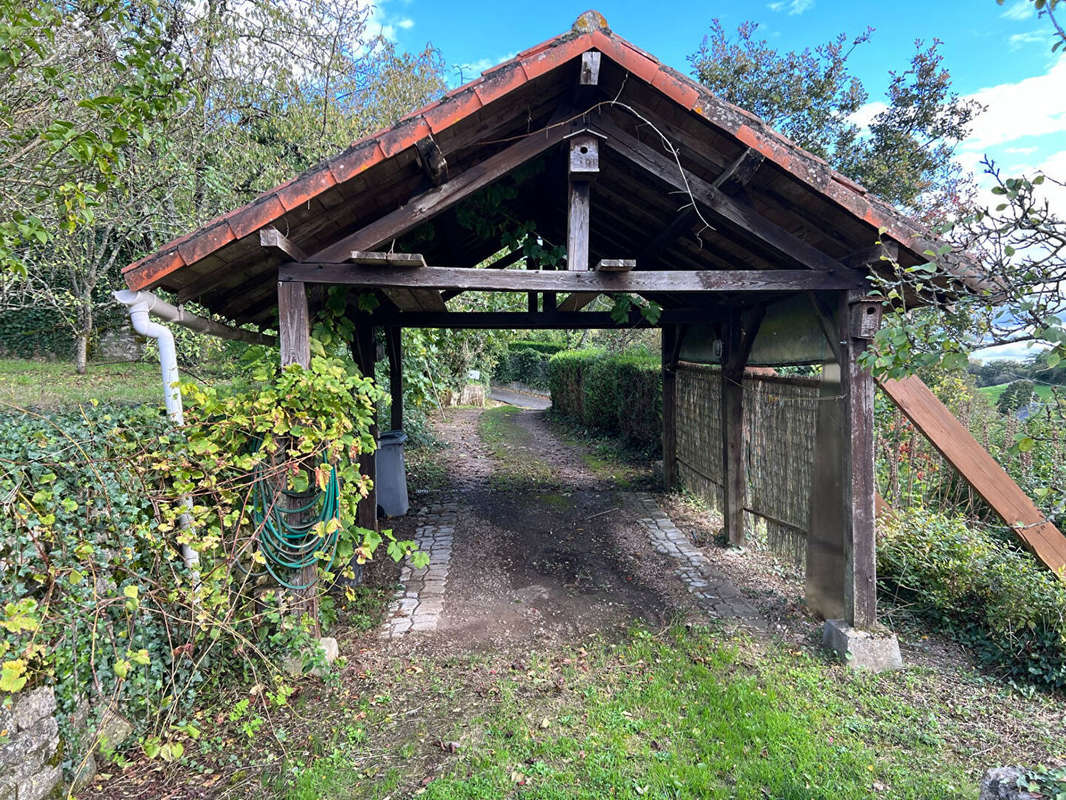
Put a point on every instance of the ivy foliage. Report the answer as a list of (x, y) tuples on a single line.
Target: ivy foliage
[(95, 596)]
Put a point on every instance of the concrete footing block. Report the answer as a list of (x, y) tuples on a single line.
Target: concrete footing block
[(875, 651)]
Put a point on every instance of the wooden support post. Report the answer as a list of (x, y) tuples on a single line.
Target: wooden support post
[(364, 352), (841, 556), (669, 362), (294, 324), (738, 336), (734, 492), (577, 227), (584, 165), (294, 335), (863, 318), (395, 348)]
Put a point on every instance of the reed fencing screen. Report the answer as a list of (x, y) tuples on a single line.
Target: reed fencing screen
[(780, 415)]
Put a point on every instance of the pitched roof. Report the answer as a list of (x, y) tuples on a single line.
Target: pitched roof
[(379, 172)]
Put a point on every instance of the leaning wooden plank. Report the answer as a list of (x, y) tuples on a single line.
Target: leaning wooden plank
[(387, 259), (983, 472), (616, 264), (503, 280), (577, 301)]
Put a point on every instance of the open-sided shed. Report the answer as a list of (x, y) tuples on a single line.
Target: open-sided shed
[(757, 251)]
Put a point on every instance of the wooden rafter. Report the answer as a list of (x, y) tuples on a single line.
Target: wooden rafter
[(429, 204), (714, 200)]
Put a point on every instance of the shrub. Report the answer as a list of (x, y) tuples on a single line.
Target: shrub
[(565, 380), (990, 595), (1015, 396), (619, 394)]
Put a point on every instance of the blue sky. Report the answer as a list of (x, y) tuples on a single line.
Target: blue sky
[(1000, 55)]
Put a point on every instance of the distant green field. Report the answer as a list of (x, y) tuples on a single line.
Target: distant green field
[(51, 384), (1044, 392)]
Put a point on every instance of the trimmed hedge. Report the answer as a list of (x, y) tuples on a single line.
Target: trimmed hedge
[(988, 594), (526, 361), (621, 394), (551, 348)]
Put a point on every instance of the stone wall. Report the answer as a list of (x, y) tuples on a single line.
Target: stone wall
[(29, 747)]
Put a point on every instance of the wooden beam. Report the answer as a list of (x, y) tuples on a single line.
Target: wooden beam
[(841, 557), (404, 299), (500, 263), (294, 334), (740, 215), (577, 301), (677, 281), (590, 68), (542, 320), (669, 367), (429, 204), (577, 227), (872, 256), (737, 340), (272, 239), (375, 258), (616, 264), (740, 172), (861, 321), (364, 353), (395, 350), (583, 166), (653, 251), (432, 160)]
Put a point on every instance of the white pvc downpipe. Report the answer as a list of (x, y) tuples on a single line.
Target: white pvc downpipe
[(140, 305)]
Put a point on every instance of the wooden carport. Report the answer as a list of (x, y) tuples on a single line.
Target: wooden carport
[(655, 187)]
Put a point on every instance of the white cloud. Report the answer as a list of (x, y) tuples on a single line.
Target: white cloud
[(384, 24), (1020, 40), (1009, 352), (866, 113), (793, 7), (1019, 10), (1031, 107)]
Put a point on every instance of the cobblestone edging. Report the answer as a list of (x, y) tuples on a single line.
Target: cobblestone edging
[(716, 595), (419, 604), (29, 742)]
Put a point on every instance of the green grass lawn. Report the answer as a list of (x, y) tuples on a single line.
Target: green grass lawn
[(1044, 392), (52, 384), (678, 714)]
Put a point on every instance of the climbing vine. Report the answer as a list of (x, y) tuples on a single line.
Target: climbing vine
[(96, 504)]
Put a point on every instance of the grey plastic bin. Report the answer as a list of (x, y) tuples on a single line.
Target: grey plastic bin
[(391, 475)]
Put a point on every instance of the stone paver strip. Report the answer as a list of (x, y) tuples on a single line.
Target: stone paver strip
[(418, 604), (716, 595)]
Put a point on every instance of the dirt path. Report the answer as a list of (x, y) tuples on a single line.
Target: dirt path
[(538, 548), (543, 555)]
